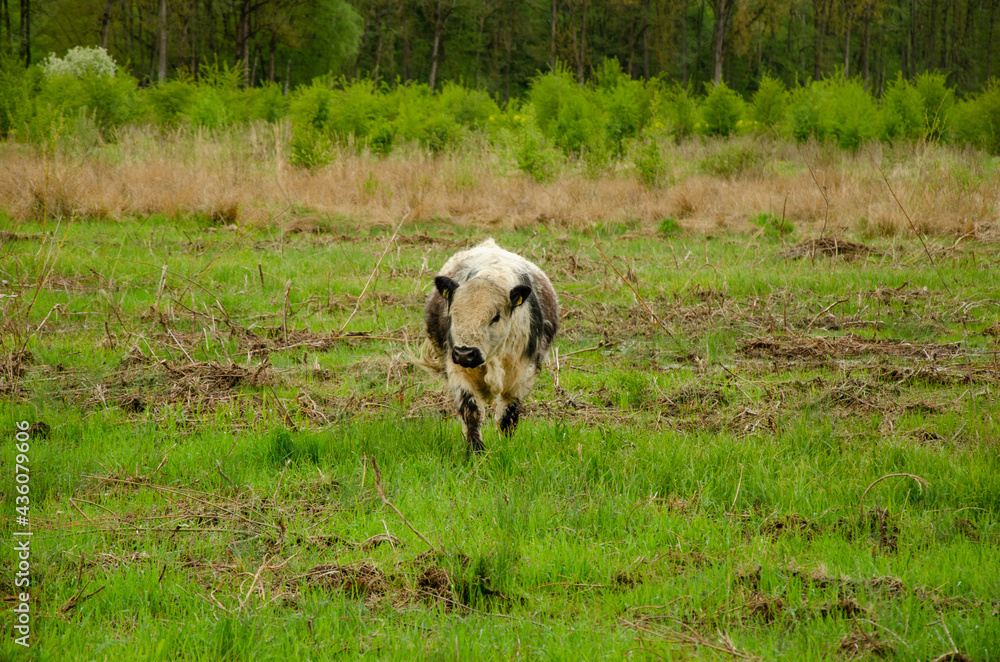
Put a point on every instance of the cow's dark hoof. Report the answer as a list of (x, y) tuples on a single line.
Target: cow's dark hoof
[(509, 420)]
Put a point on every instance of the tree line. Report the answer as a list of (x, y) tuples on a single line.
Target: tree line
[(500, 45)]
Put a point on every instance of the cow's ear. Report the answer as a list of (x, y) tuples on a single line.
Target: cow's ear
[(519, 295), (446, 287)]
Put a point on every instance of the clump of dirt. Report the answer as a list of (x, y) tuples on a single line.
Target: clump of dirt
[(695, 397), (878, 522), (7, 235), (953, 656), (133, 403), (793, 523), (210, 377), (858, 394), (749, 578), (829, 246), (39, 430), (360, 579), (846, 606), (820, 350), (13, 367), (436, 581), (624, 580), (764, 608), (883, 524), (857, 642)]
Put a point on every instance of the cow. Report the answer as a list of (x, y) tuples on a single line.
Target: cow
[(490, 322)]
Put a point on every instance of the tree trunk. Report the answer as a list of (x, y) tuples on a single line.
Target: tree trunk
[(698, 32), (684, 43), (256, 62), (435, 53), (243, 40), (272, 46), (580, 61), (404, 46), (162, 39), (723, 11), (866, 42), (552, 39), (989, 41), (378, 57), (821, 15), (105, 22), (847, 41), (25, 30)]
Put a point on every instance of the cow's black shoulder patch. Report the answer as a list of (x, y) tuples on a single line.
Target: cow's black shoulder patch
[(537, 323)]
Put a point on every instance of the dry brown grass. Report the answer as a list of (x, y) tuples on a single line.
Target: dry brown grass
[(243, 176)]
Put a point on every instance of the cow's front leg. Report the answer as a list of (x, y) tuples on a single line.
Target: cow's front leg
[(509, 418), (472, 418)]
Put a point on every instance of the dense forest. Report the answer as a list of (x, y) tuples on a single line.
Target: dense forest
[(499, 45)]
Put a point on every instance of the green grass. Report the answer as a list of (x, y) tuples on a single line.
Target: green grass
[(208, 488)]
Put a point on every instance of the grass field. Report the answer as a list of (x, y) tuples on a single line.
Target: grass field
[(784, 450)]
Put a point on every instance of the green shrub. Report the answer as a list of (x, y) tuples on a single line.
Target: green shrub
[(681, 112), (18, 88), (566, 113), (170, 102), (311, 107), (721, 111), (649, 164), (207, 109), (628, 104), (834, 108), (770, 103), (937, 100), (902, 111), (310, 148), (471, 108), (976, 121)]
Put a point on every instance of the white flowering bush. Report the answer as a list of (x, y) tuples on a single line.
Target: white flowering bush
[(85, 86), (81, 62)]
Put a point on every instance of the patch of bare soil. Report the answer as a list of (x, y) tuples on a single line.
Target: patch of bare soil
[(764, 608), (857, 394), (790, 524), (819, 350), (937, 375), (857, 643), (829, 246), (436, 581), (7, 235), (13, 367), (846, 607), (209, 377), (878, 523), (361, 579)]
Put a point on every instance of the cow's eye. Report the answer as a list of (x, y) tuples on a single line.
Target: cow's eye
[(496, 318)]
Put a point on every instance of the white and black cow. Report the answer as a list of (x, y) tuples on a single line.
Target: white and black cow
[(490, 322)]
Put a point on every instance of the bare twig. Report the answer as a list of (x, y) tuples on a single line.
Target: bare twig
[(361, 296), (913, 227), (638, 296), (385, 500), (922, 482), (817, 316), (218, 466), (739, 484)]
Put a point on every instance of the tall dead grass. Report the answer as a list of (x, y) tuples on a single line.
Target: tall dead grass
[(243, 176)]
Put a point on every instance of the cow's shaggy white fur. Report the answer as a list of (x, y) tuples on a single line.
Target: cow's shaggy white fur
[(490, 323)]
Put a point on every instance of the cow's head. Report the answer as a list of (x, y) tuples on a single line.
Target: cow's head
[(481, 317)]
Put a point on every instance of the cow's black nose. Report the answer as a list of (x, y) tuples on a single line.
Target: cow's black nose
[(467, 357)]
